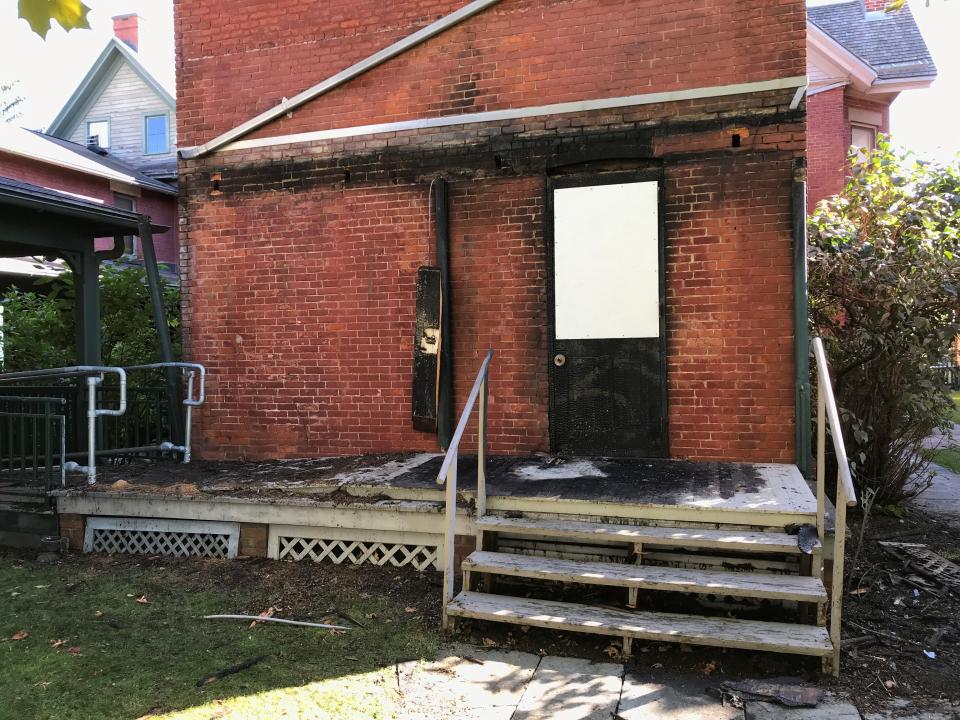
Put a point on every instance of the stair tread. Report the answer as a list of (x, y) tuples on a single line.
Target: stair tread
[(720, 582), (643, 625), (729, 539)]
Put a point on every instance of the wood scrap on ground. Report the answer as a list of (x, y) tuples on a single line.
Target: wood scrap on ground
[(735, 693), (925, 561)]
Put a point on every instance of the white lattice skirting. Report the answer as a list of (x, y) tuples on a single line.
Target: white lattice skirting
[(177, 538), (355, 546)]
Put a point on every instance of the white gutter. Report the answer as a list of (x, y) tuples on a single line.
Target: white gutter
[(798, 81), (334, 81)]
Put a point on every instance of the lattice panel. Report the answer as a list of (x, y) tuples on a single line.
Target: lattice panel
[(357, 552), (177, 544), (172, 538)]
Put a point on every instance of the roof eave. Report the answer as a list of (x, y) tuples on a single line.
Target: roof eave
[(862, 74), (892, 85)]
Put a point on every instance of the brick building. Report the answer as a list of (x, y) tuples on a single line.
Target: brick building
[(56, 164), (620, 197), (859, 59)]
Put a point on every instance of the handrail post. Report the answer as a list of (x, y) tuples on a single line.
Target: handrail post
[(482, 450), (92, 382), (836, 587), (821, 461), (449, 536), (188, 417)]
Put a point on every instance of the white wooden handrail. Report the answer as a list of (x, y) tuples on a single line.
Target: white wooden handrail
[(846, 495), (448, 474)]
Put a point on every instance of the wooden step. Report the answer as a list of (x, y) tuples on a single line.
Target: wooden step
[(648, 577), (684, 537), (663, 627)]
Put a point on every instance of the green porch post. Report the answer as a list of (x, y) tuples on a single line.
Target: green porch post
[(162, 328), (86, 278)]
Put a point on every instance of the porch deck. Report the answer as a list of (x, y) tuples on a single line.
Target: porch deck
[(763, 495)]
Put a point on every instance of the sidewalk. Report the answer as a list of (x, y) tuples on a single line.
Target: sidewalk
[(477, 684)]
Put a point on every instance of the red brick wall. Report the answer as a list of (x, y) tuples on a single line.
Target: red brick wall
[(237, 59), (299, 272), (828, 140), (729, 321), (162, 209), (300, 301), (307, 330)]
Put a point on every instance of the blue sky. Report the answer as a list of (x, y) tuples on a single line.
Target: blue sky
[(923, 120)]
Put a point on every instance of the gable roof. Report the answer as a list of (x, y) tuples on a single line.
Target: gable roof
[(104, 68), (890, 43), (63, 153)]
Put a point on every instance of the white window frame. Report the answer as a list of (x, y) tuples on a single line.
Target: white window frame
[(94, 121), (872, 129), (148, 116)]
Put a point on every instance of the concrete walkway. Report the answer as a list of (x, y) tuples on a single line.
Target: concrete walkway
[(943, 496), (477, 684)]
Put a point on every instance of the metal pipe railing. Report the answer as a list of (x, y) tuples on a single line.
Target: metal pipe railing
[(846, 495), (448, 475), (94, 375)]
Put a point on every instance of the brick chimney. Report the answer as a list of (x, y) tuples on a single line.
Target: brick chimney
[(126, 28), (873, 5)]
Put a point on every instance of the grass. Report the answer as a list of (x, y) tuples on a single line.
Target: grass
[(94, 651), (946, 457), (955, 396)]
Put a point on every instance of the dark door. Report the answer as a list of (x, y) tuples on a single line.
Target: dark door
[(606, 288)]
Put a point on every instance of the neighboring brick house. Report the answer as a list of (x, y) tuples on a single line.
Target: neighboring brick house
[(859, 59), (56, 164), (555, 125), (121, 112)]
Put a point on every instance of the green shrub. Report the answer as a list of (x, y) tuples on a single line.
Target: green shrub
[(38, 327), (884, 275)]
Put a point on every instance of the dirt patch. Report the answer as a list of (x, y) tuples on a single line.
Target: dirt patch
[(900, 616)]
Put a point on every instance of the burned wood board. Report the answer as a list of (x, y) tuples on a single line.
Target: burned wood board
[(926, 562), (426, 349)]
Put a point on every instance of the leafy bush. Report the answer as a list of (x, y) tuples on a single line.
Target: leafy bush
[(38, 328), (884, 274)]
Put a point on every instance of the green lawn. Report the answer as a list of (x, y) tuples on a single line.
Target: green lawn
[(94, 651), (956, 406)]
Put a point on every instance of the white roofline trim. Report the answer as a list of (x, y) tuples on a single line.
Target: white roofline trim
[(334, 81), (860, 72), (900, 84), (824, 88), (797, 81)]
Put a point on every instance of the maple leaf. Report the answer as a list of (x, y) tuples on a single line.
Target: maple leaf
[(20, 635), (70, 14)]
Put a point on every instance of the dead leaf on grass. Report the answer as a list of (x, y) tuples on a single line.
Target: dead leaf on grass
[(98, 613), (143, 600), (75, 650), (860, 591), (265, 614), (20, 635), (410, 609), (57, 643)]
